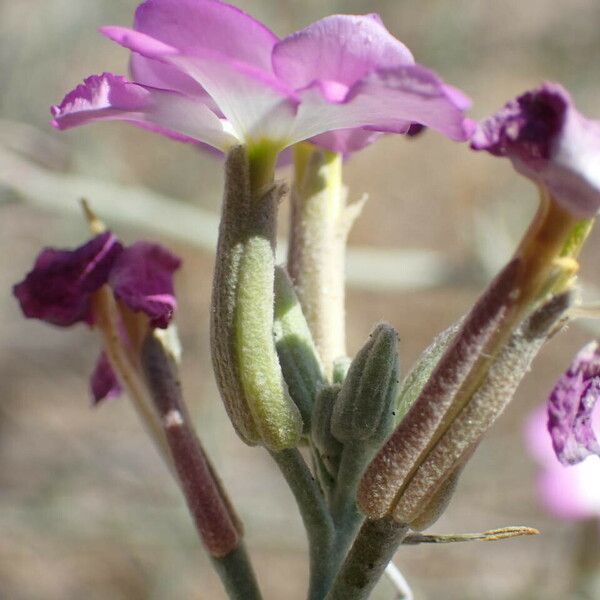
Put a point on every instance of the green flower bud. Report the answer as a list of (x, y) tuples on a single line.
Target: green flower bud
[(328, 447), (300, 363), (364, 408), (340, 368)]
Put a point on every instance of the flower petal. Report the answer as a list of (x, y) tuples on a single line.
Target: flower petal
[(196, 26), (58, 290), (253, 100), (340, 48), (142, 278), (257, 105), (549, 141), (571, 405), (571, 492), (346, 141), (110, 97), (103, 382), (387, 100)]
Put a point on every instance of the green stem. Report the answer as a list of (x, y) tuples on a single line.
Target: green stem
[(346, 515), (373, 549), (237, 575), (315, 516), (320, 221)]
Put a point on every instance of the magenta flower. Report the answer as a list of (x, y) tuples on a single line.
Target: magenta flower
[(567, 492), (570, 407), (204, 71), (550, 142), (61, 285)]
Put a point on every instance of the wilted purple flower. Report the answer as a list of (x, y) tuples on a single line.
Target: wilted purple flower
[(571, 405), (205, 71), (60, 287), (103, 381), (567, 492), (550, 142)]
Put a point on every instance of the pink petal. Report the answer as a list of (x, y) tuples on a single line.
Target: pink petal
[(550, 142), (196, 26), (257, 105), (153, 73), (572, 405), (103, 382), (568, 492), (110, 97), (341, 48), (345, 141), (387, 100), (253, 100)]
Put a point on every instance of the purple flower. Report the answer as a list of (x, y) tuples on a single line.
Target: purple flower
[(571, 405), (103, 381), (567, 492), (550, 142), (60, 288), (205, 71)]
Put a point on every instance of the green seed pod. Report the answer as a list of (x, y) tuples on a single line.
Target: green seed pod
[(300, 363), (364, 408), (328, 447), (245, 360)]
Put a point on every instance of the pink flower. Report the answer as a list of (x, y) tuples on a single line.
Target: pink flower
[(550, 142), (568, 492), (571, 405), (60, 287), (204, 71)]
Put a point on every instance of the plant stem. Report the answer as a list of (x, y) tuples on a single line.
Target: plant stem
[(320, 222), (237, 575), (367, 560), (315, 516), (105, 313), (346, 515)]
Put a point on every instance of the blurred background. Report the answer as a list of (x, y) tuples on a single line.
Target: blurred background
[(86, 508)]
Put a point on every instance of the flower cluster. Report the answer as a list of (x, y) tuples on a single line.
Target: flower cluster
[(387, 454)]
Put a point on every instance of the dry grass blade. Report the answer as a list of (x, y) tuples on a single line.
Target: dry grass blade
[(493, 535)]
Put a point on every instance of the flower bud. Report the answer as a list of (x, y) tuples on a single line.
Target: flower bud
[(300, 363), (364, 407), (328, 447)]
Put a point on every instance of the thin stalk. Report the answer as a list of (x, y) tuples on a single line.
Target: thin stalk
[(235, 571), (320, 222), (315, 516), (106, 318), (344, 509), (367, 560)]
